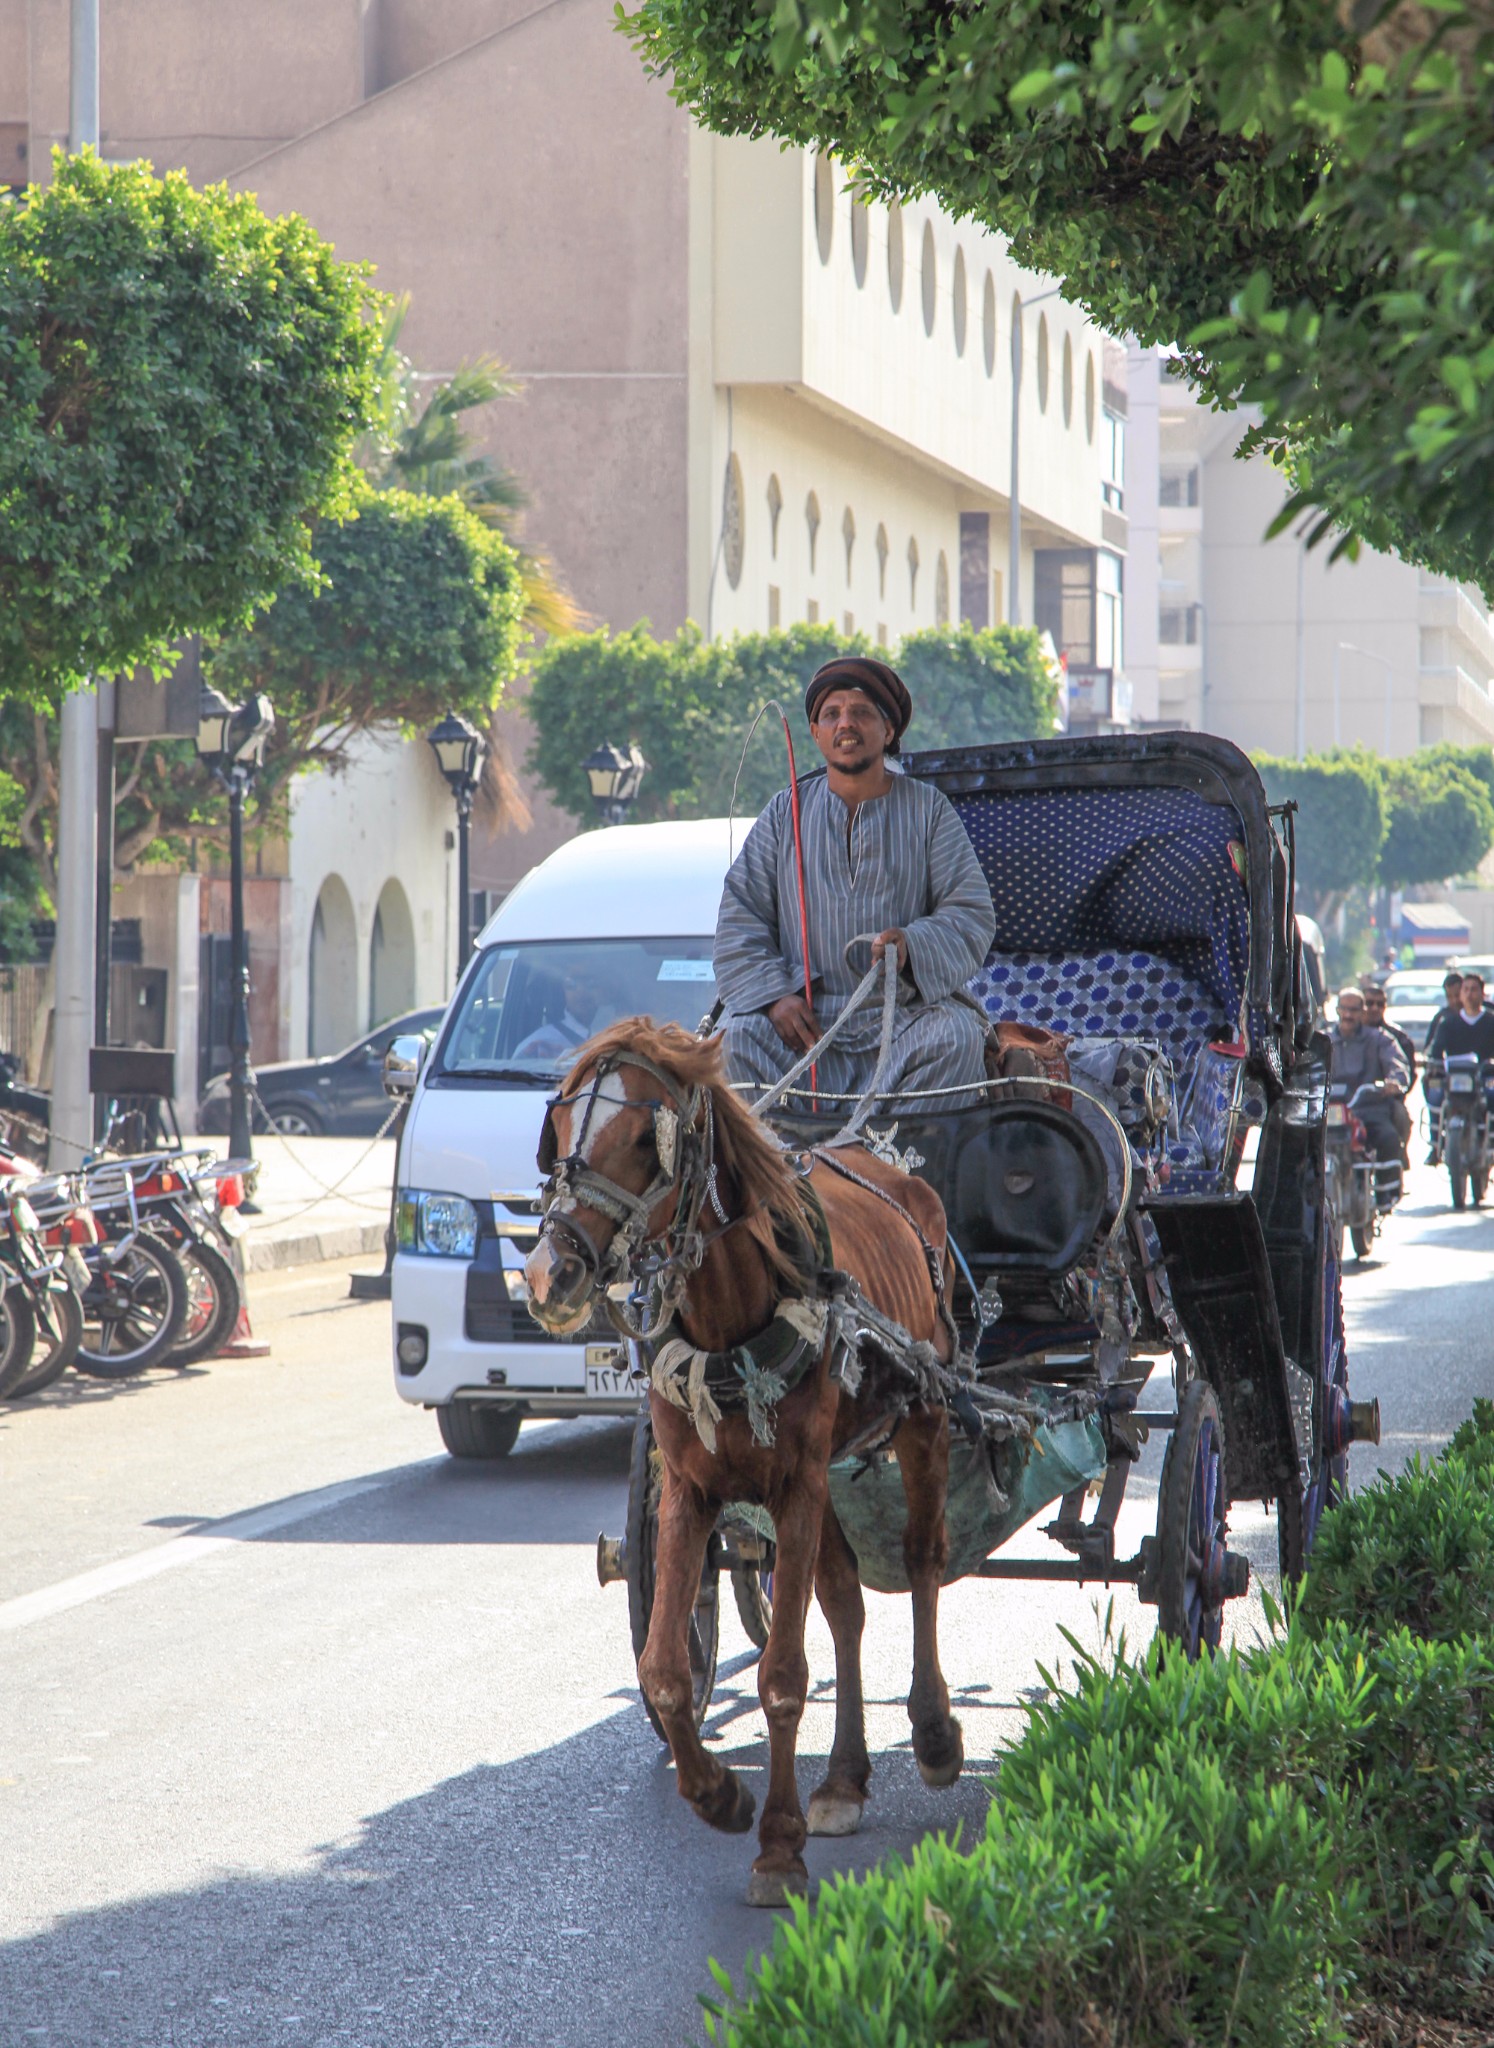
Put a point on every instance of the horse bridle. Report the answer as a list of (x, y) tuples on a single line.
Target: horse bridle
[(685, 1144)]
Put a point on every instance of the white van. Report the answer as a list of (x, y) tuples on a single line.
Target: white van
[(618, 923)]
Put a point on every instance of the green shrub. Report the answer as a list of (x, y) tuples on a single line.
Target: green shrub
[(1388, 1740), (1473, 1440), (1185, 1904), (1415, 1552)]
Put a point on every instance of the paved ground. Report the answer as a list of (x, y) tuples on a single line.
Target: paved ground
[(363, 1762), (318, 1199)]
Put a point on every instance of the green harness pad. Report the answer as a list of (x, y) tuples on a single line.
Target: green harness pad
[(870, 1506)]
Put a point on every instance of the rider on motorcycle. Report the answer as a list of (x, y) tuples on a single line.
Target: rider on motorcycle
[(1468, 1028), (1375, 1020), (1452, 990), (1363, 1056)]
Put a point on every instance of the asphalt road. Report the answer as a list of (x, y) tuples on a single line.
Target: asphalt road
[(310, 1734)]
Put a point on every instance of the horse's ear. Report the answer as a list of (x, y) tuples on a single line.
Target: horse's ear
[(549, 1142)]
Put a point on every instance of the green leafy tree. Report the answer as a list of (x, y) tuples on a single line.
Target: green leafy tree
[(181, 382), (419, 613), (971, 688), (1340, 823), (627, 689), (738, 678), (21, 896), (1440, 821), (1294, 192)]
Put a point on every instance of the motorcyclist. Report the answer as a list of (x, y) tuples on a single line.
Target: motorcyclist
[(1365, 1057), (1375, 1020), (1452, 990), (1468, 1028)]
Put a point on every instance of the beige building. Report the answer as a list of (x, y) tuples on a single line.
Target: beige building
[(1269, 642), (747, 399)]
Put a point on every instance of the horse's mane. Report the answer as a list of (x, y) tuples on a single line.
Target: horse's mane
[(749, 1155)]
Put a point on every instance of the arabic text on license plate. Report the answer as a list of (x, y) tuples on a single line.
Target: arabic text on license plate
[(606, 1371)]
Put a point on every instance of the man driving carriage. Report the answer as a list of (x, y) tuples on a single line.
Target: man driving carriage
[(885, 857)]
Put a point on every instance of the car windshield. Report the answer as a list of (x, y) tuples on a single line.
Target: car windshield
[(528, 1006), (1414, 995)]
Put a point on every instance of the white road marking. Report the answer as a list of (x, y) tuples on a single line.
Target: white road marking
[(181, 1550)]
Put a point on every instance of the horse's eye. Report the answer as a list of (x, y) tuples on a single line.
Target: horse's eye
[(644, 1142)]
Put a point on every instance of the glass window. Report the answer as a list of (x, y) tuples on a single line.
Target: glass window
[(529, 1006)]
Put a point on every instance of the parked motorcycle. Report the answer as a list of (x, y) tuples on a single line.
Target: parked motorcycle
[(1457, 1090), (1361, 1188), (41, 1317)]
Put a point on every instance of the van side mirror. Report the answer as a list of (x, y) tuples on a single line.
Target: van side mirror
[(402, 1064)]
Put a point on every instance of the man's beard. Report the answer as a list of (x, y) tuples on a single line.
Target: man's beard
[(856, 764)]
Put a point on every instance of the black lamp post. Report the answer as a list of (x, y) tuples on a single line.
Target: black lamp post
[(460, 750), (231, 741), (615, 779)]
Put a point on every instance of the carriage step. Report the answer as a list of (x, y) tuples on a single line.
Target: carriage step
[(612, 1560)]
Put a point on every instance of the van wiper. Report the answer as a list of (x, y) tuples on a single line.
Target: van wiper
[(527, 1075)]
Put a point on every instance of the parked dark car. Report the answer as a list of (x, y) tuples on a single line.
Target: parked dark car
[(340, 1095)]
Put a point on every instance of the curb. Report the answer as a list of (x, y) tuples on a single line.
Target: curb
[(310, 1247)]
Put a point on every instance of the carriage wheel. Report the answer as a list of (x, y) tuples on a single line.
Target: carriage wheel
[(1193, 1562), (645, 1477), (752, 1584), (1297, 1514)]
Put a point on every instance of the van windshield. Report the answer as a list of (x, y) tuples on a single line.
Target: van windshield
[(529, 1006)]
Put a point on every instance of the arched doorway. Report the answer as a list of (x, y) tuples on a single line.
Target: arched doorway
[(332, 1011), (391, 963)]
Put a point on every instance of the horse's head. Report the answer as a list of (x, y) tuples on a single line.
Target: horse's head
[(623, 1164)]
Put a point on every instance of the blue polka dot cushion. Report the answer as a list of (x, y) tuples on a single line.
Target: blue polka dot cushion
[(1112, 994)]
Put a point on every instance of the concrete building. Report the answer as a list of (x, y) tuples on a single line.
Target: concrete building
[(747, 397), (1269, 642)]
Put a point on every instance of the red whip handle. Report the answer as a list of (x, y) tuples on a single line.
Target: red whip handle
[(799, 867)]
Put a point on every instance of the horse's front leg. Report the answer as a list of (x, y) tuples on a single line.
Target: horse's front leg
[(922, 1445), (835, 1806), (782, 1686), (685, 1523)]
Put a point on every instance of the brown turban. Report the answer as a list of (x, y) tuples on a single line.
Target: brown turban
[(875, 679)]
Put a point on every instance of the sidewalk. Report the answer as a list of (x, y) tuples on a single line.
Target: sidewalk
[(300, 1221)]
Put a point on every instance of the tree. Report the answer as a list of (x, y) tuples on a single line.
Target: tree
[(1440, 821), (1294, 192), (1340, 822), (689, 704), (181, 382), (418, 613), (423, 445)]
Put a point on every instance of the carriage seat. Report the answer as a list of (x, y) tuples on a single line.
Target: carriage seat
[(1142, 1000)]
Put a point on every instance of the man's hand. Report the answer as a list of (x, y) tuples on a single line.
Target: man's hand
[(891, 938), (793, 1020)]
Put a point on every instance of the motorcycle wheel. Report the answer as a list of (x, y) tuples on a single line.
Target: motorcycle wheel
[(17, 1338), (1363, 1235), (213, 1302), (1457, 1168), (132, 1309), (53, 1354)]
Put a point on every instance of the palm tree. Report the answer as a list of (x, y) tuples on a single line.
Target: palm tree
[(422, 444)]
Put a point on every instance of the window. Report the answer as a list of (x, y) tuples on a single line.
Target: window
[(1068, 382), (1177, 624), (941, 591), (848, 623), (988, 324), (1016, 330), (1108, 610), (930, 264), (824, 204), (1113, 459), (775, 607), (895, 256), (775, 506), (812, 612), (883, 551), (958, 306), (1089, 397), (913, 572), (733, 538), (1042, 362), (848, 535), (1178, 487), (881, 635), (859, 237), (812, 521)]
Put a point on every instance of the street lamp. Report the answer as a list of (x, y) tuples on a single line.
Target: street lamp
[(615, 778), (460, 750), (231, 740), (1014, 525)]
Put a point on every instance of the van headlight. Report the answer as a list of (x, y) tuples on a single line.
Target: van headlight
[(441, 1226)]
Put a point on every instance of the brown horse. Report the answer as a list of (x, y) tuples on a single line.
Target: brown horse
[(653, 1157)]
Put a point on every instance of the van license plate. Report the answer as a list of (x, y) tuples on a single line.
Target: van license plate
[(606, 1372)]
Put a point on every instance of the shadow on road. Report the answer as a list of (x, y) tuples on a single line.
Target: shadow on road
[(565, 1900)]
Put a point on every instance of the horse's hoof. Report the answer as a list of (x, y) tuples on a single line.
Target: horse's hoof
[(777, 1887), (941, 1761), (730, 1808), (835, 1813)]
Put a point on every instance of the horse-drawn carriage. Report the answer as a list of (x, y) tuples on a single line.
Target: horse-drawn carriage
[(1099, 1220)]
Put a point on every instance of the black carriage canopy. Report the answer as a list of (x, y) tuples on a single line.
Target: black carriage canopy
[(1138, 883)]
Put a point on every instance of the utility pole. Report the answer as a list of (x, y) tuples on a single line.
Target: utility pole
[(73, 955)]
